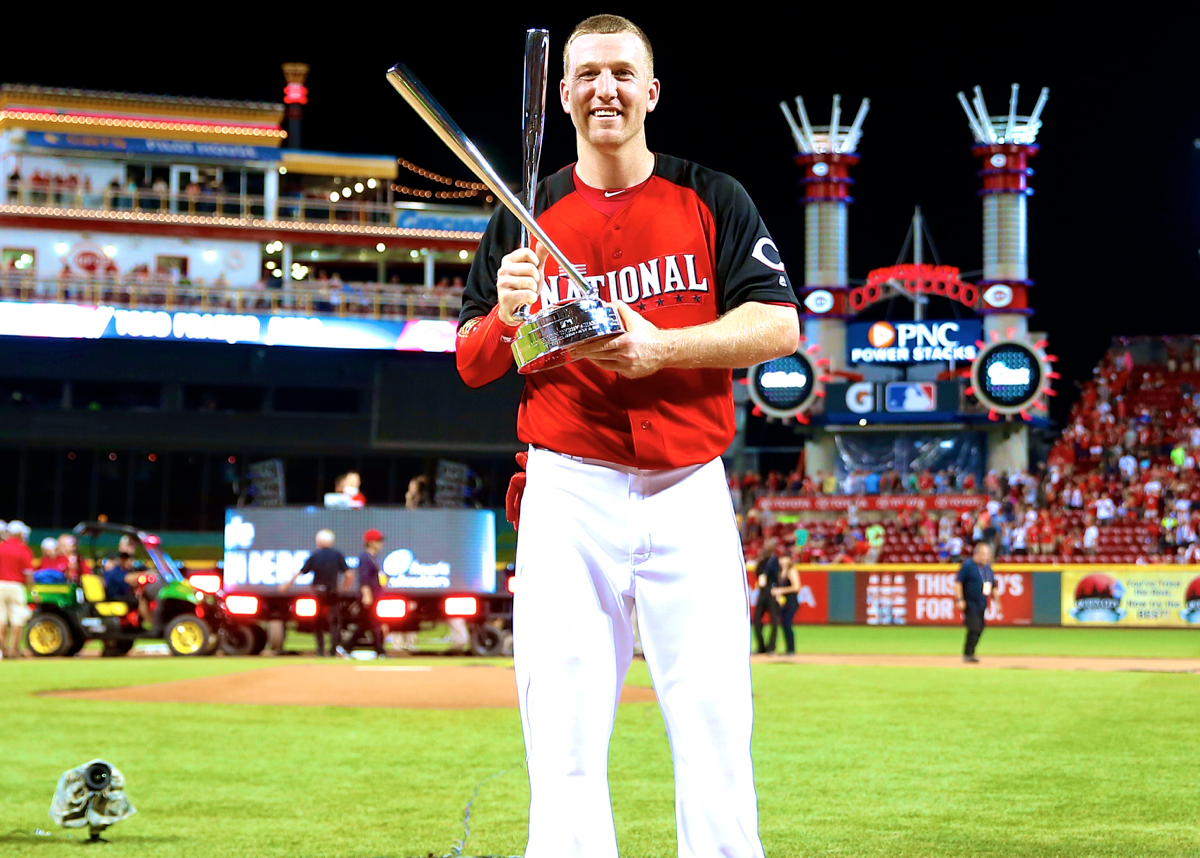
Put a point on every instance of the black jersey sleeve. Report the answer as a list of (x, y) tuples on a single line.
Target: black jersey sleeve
[(748, 263), (501, 237)]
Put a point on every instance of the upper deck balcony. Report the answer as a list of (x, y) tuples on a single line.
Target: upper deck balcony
[(122, 162)]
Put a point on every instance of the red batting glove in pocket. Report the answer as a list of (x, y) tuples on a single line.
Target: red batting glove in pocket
[(516, 488)]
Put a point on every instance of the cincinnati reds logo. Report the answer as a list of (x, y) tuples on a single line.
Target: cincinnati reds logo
[(760, 253)]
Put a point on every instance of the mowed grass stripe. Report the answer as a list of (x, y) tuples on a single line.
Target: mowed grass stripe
[(850, 761)]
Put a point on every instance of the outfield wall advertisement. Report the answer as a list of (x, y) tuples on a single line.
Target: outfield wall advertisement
[(1123, 597), (927, 599), (428, 549)]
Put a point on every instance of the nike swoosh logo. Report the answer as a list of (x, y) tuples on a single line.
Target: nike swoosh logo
[(614, 193)]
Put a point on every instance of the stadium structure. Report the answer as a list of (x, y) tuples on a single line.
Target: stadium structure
[(186, 291)]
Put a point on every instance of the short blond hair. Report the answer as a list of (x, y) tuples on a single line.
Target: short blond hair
[(606, 25)]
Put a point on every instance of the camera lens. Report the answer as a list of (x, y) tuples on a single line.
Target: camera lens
[(96, 776)]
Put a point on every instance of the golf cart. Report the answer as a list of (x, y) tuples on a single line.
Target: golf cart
[(163, 605)]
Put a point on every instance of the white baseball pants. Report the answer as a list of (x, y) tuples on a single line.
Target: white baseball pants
[(594, 538)]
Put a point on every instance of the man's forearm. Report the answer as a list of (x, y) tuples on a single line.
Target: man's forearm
[(744, 336)]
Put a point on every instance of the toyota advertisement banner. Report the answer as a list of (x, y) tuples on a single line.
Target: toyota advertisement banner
[(927, 599), (863, 503), (425, 549), (1121, 597)]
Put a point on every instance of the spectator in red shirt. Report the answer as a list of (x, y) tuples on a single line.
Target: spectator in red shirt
[(16, 573), (49, 558), (350, 485), (925, 483), (68, 554), (1048, 536)]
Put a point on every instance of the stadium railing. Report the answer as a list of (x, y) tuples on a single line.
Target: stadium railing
[(366, 300), (243, 206)]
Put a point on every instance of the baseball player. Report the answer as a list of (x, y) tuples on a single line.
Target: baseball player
[(625, 498)]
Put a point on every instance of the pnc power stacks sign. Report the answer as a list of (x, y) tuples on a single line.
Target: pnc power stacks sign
[(927, 599), (1115, 597)]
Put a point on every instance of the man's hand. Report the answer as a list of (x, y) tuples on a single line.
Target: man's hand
[(283, 587), (641, 351), (961, 604), (519, 279)]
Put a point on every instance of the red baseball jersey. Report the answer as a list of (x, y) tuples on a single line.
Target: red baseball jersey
[(684, 248)]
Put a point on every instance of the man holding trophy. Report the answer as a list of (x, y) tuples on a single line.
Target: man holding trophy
[(626, 416)]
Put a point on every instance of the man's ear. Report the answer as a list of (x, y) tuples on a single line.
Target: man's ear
[(564, 93), (652, 100)]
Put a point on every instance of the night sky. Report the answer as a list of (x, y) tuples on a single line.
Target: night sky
[(1114, 225)]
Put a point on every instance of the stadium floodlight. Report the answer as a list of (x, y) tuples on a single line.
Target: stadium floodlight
[(91, 796)]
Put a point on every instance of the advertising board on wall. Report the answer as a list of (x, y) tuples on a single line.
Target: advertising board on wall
[(926, 400), (120, 144), (72, 321), (1122, 597), (913, 342), (813, 598), (835, 503), (426, 549), (927, 599)]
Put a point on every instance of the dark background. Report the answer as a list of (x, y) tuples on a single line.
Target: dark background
[(1112, 227)]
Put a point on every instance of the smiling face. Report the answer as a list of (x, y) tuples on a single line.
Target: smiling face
[(608, 90)]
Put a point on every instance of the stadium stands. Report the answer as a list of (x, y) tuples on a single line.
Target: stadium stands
[(1119, 485)]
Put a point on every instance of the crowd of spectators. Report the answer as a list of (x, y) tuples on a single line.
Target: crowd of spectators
[(747, 487), (1119, 485)]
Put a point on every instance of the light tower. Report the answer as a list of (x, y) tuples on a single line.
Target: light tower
[(1005, 144), (826, 154)]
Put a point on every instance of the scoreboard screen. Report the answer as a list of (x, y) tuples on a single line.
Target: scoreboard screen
[(423, 549)]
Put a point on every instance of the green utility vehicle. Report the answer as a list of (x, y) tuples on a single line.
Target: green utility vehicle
[(162, 605)]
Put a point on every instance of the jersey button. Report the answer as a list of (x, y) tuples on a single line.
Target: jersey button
[(617, 254), (645, 424)]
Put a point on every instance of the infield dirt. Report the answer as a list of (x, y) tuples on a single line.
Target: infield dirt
[(480, 686)]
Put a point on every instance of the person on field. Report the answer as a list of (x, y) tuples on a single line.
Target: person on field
[(328, 565), (370, 588), (765, 607), (973, 586), (786, 593), (16, 573)]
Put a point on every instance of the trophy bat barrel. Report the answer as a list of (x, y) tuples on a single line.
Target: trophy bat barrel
[(533, 116), (435, 116)]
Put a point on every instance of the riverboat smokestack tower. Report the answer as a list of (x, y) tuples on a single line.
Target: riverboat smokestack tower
[(826, 154), (295, 96), (1005, 144)]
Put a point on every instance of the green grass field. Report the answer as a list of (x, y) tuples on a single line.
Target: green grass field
[(850, 761)]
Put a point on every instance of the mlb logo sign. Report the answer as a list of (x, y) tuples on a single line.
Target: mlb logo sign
[(911, 396)]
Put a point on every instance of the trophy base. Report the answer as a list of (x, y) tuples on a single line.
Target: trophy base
[(548, 339)]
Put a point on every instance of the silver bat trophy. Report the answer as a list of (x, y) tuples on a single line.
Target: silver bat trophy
[(546, 339), (533, 117)]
